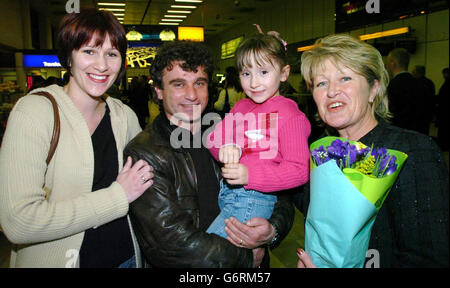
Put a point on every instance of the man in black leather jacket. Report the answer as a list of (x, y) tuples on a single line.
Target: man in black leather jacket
[(170, 218)]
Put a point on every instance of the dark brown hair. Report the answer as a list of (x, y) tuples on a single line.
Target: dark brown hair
[(262, 48), (190, 55), (77, 29)]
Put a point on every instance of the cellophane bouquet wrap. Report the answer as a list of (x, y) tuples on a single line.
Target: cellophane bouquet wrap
[(349, 183)]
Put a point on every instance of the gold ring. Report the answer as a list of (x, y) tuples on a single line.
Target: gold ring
[(240, 243)]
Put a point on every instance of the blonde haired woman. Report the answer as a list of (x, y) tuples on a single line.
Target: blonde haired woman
[(348, 81)]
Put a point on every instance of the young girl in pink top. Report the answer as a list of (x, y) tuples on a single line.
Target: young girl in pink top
[(263, 141)]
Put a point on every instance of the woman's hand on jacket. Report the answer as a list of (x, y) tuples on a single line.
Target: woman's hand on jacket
[(304, 261), (135, 179)]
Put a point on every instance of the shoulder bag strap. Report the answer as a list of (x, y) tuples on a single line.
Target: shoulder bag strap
[(56, 125)]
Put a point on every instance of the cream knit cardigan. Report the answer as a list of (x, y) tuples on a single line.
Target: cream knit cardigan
[(49, 233)]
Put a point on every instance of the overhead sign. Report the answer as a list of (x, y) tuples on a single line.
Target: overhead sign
[(134, 36), (140, 57), (167, 35), (41, 61), (191, 34), (228, 48), (155, 33)]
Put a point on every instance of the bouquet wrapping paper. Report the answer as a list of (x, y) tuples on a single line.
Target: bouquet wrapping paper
[(343, 207)]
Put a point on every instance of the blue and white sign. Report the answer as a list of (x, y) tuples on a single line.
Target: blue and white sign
[(37, 61)]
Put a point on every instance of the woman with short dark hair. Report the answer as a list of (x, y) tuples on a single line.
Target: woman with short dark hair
[(82, 221)]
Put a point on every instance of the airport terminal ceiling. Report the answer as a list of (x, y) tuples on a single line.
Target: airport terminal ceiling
[(214, 15)]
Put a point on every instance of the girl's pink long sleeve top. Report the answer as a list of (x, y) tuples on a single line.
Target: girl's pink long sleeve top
[(273, 139)]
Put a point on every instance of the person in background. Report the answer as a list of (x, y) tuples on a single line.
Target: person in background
[(428, 103), (348, 81), (231, 93), (51, 80), (153, 104), (442, 113), (406, 96), (171, 218), (114, 91), (287, 89), (38, 82), (139, 97), (83, 221)]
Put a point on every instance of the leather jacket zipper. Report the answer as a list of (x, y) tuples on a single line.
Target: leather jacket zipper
[(194, 174)]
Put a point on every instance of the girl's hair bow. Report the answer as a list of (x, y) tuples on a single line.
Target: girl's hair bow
[(274, 34)]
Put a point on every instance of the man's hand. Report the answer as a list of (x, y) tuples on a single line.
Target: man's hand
[(255, 233), (235, 174), (229, 154)]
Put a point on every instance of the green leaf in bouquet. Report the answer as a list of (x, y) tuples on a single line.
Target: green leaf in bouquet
[(374, 189)]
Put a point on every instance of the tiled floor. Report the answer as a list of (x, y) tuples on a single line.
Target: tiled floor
[(285, 256)]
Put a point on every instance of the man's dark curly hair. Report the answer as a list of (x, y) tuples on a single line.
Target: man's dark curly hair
[(191, 55)]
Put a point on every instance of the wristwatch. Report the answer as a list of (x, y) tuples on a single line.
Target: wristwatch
[(275, 236)]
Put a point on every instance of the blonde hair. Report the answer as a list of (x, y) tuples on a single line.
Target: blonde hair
[(354, 54)]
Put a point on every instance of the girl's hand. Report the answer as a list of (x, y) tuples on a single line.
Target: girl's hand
[(135, 179), (229, 154), (235, 174)]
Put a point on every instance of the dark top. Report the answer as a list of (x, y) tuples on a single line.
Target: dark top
[(208, 186), (111, 244), (443, 115), (427, 104), (412, 228), (407, 102)]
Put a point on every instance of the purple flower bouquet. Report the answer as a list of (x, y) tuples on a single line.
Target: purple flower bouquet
[(349, 183)]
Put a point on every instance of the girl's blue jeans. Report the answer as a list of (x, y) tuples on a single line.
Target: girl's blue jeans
[(242, 204)]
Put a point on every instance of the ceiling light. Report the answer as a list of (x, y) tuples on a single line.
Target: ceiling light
[(304, 48), (111, 4), (190, 1), (172, 20), (191, 33), (384, 33), (183, 6), (113, 9), (179, 11), (162, 23), (119, 14), (175, 16)]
